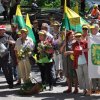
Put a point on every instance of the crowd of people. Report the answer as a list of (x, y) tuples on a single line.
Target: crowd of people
[(8, 8), (59, 53)]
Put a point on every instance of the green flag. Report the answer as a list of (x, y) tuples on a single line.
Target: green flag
[(29, 27), (18, 19), (71, 20)]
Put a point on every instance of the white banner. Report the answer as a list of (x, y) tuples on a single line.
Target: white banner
[(94, 57)]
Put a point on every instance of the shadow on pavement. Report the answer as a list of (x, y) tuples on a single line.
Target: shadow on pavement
[(2, 82), (62, 96), (8, 92)]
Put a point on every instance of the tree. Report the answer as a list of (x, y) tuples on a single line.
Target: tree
[(68, 3)]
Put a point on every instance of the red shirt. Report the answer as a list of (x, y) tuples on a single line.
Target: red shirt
[(77, 52)]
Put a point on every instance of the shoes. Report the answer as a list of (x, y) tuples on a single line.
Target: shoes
[(67, 91), (18, 83), (75, 91), (10, 86), (51, 88), (84, 92), (15, 79)]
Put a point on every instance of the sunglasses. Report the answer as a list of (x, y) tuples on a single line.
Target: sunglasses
[(84, 28)]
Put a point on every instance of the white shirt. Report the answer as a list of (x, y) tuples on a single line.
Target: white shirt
[(81, 58), (28, 42)]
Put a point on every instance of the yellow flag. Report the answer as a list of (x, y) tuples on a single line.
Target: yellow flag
[(18, 11), (76, 8), (29, 27), (28, 23), (73, 16)]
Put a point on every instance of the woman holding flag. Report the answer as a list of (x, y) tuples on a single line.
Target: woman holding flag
[(70, 72)]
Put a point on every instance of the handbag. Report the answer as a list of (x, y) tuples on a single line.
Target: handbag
[(3, 50)]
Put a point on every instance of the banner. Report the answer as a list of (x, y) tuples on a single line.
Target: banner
[(94, 56)]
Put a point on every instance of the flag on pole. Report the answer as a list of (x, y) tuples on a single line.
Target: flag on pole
[(29, 27), (76, 9), (18, 19), (71, 20)]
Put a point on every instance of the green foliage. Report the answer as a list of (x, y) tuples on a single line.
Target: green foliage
[(26, 2), (48, 4), (57, 3), (42, 3)]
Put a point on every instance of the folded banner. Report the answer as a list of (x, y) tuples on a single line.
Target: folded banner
[(94, 57)]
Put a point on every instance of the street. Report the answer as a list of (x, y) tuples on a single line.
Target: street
[(56, 94)]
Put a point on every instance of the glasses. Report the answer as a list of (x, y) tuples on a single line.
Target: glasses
[(84, 28)]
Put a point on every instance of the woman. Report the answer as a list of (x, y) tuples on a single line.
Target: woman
[(70, 72), (45, 61), (80, 52)]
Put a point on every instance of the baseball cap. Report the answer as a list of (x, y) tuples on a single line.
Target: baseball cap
[(24, 29), (85, 26), (78, 34), (56, 23), (2, 27), (19, 32), (95, 5), (42, 32)]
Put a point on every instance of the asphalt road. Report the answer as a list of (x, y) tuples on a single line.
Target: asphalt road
[(56, 94)]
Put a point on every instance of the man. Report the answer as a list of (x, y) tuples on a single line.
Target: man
[(5, 4), (36, 29), (95, 81), (13, 6), (23, 43), (83, 6), (95, 11), (95, 30), (57, 44), (5, 61)]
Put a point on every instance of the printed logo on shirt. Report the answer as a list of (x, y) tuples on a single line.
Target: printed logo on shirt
[(95, 54)]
